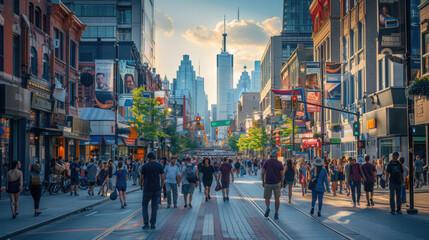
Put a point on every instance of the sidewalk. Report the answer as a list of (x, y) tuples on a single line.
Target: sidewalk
[(53, 208)]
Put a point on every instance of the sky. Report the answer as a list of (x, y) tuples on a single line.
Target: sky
[(195, 27)]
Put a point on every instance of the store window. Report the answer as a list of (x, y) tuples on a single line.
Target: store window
[(425, 53), (33, 61), (386, 147)]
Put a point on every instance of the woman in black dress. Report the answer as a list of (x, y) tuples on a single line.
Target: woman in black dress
[(208, 172)]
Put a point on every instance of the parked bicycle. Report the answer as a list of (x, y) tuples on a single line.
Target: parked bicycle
[(83, 182), (63, 184)]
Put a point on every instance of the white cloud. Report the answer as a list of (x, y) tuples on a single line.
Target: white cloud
[(164, 23), (240, 33)]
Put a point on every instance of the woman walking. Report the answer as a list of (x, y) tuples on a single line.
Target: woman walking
[(289, 177), (121, 183), (341, 174), (379, 171), (104, 179), (36, 187), (14, 184), (319, 175), (302, 176), (208, 173), (334, 176)]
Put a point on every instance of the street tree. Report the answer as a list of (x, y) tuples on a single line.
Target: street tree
[(233, 143)]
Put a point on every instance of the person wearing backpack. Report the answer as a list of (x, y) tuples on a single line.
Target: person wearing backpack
[(356, 177), (189, 181), (395, 174), (91, 169), (318, 181)]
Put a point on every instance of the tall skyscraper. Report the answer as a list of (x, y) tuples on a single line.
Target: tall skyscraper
[(185, 83), (200, 99), (296, 16), (243, 84), (255, 77), (133, 20), (224, 84)]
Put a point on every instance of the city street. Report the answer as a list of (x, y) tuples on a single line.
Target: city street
[(241, 218)]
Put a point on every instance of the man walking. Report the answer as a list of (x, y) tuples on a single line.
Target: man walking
[(272, 176), (395, 174), (418, 166), (356, 176), (151, 181), (189, 181), (369, 172), (91, 169), (74, 176), (200, 174), (172, 181), (225, 170)]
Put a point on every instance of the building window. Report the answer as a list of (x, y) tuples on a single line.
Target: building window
[(352, 89), (33, 61), (59, 44), (72, 94), (124, 16), (60, 78), (73, 54), (98, 10), (31, 12), (45, 67), (16, 56), (99, 32), (45, 24), (38, 18), (352, 43), (16, 7), (360, 36), (1, 49), (124, 34), (359, 85), (345, 51), (425, 53)]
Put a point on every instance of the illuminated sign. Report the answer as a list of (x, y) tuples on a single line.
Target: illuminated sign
[(371, 123)]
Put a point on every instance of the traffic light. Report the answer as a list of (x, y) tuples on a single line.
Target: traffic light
[(294, 102), (198, 119), (217, 131), (361, 144), (356, 129)]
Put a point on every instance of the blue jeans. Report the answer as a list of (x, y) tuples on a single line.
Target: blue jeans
[(171, 189), (317, 196), (395, 190), (356, 187), (403, 194), (153, 198)]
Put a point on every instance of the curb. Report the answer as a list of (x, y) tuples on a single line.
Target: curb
[(54, 219)]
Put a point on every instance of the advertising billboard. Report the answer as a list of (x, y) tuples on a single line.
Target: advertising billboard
[(127, 70), (333, 81), (312, 88), (104, 83), (391, 26)]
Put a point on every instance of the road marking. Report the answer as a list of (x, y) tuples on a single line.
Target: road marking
[(110, 230), (124, 212), (91, 214)]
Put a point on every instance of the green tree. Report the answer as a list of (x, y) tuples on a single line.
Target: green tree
[(233, 143), (147, 117), (287, 129), (175, 141)]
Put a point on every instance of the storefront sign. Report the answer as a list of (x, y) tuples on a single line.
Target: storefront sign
[(58, 119), (421, 116), (390, 20), (41, 103), (130, 142), (371, 123), (335, 140)]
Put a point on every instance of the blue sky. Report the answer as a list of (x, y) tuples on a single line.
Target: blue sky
[(194, 27)]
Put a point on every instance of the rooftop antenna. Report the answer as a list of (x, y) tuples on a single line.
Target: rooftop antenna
[(224, 33)]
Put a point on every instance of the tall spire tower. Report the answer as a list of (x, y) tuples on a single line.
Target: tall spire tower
[(224, 34)]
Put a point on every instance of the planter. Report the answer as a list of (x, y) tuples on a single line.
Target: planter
[(418, 88)]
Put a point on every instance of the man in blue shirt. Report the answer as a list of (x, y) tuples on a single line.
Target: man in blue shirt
[(151, 181), (74, 176), (172, 181)]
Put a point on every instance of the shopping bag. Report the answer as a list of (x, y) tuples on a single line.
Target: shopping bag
[(218, 186), (114, 195)]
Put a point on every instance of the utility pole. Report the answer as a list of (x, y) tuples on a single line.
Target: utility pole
[(322, 125), (410, 103), (115, 95)]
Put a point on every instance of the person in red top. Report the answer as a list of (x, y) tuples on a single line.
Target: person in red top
[(225, 170), (272, 176), (369, 172), (356, 176)]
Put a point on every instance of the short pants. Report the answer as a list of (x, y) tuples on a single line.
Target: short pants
[(74, 180), (368, 187), (121, 187), (188, 188), (270, 188)]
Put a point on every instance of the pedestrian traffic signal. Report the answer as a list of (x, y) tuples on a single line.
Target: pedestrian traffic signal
[(361, 144), (294, 102), (356, 129), (217, 131)]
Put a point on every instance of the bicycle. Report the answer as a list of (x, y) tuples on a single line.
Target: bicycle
[(83, 183), (62, 184)]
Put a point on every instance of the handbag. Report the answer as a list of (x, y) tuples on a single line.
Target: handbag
[(313, 182), (114, 195), (382, 183), (218, 187)]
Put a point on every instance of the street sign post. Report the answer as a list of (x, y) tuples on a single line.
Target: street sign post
[(220, 123)]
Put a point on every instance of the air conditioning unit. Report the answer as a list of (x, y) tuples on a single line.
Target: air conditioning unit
[(56, 43)]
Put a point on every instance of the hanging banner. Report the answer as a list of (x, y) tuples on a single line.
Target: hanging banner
[(391, 26), (312, 87), (333, 81), (104, 83), (127, 70)]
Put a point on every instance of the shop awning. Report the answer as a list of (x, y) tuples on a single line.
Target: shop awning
[(130, 142), (311, 143), (94, 140), (110, 140)]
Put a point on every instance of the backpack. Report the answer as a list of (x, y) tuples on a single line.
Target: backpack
[(190, 174)]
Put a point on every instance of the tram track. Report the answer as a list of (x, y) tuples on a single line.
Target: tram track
[(351, 235)]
